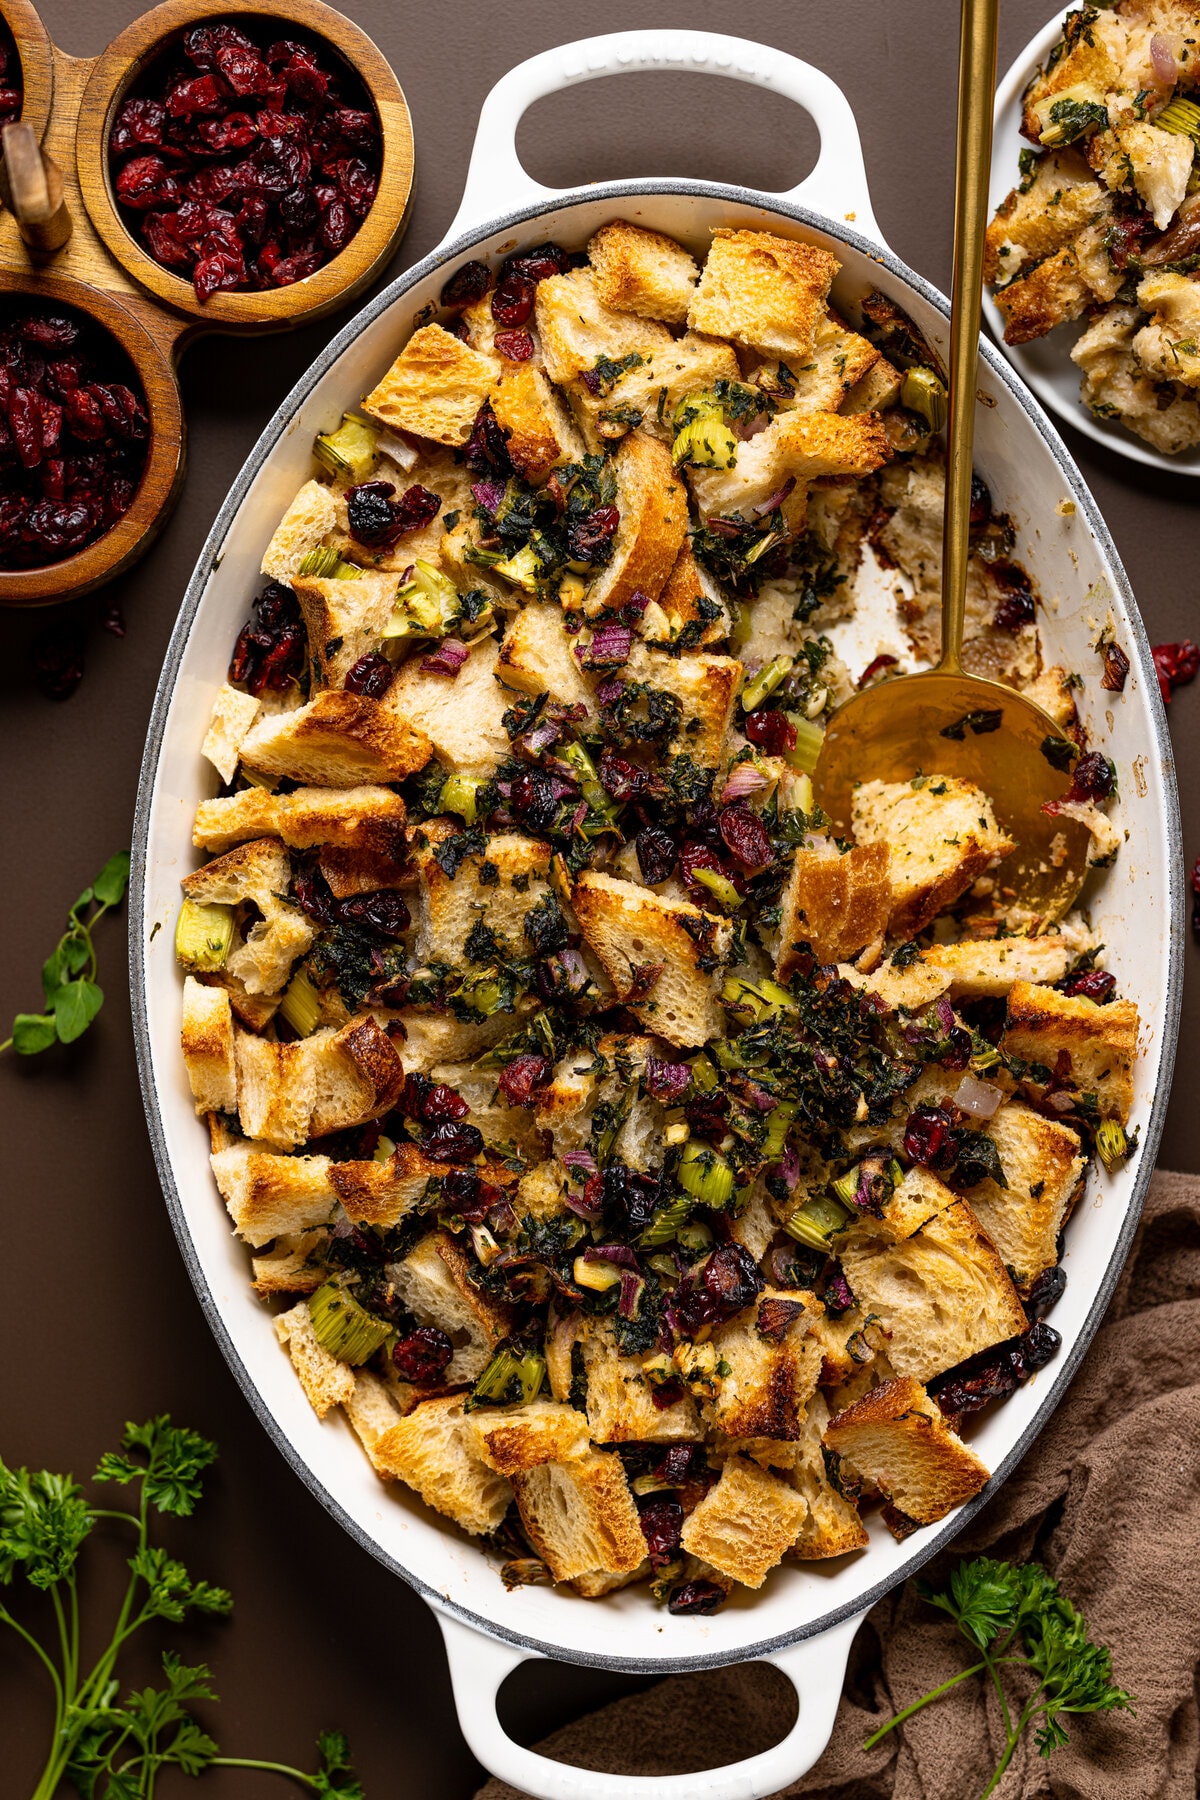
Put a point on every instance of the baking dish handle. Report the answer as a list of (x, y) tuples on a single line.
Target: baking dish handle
[(497, 184), (479, 1665)]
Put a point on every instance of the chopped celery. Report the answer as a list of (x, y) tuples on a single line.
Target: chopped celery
[(924, 392), (590, 784), (259, 780), (325, 563), (705, 440), (816, 1223), (704, 1076), (809, 738), (695, 1236), (1112, 1144), (343, 1327), (350, 451), (513, 1377), (796, 793), (666, 1222), (430, 597), (483, 994), (301, 1005), (846, 1186), (384, 1149), (203, 936), (1182, 117), (721, 889), (766, 681), (704, 1172), (598, 1276), (523, 570), (571, 590), (459, 795), (664, 1264), (726, 1054), (779, 1123)]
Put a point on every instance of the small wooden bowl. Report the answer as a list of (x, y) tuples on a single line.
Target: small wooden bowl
[(119, 68), (101, 271)]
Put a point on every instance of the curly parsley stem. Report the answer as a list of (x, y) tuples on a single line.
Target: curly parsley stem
[(272, 1768), (907, 1713)]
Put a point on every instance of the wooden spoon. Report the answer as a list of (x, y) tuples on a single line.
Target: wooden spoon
[(898, 728)]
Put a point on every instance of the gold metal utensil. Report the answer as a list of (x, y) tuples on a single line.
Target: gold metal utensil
[(892, 731)]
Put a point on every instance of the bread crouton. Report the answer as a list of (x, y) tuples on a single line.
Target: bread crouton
[(630, 928), (916, 1199), (434, 388), (1147, 160), (643, 272), (897, 1439), (1043, 1167), (653, 525), (1086, 67), (327, 1082), (497, 886), (359, 818), (773, 1369), (232, 716), (836, 902), (576, 329), (383, 1193), (840, 359), (259, 872), (987, 967), (1037, 219), (462, 717), (432, 1038), (344, 620), (647, 393), (832, 1527), (533, 415), (337, 740), (582, 1081), (620, 1407), (514, 1438), (690, 597), (746, 1523), (1089, 1048), (434, 1282), (703, 685), (371, 1409), (1167, 348), (305, 525), (598, 1582), (580, 1516), (326, 1381), (1053, 293), (538, 657), (207, 1039), (941, 836), (764, 291), (1115, 386), (941, 1295), (293, 1264), (433, 1451), (269, 1196), (878, 390), (795, 447)]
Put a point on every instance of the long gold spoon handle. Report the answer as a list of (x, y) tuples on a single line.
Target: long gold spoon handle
[(976, 91)]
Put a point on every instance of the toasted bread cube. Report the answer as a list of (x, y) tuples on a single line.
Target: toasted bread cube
[(362, 818), (1053, 293), (940, 837), (260, 872), (653, 525), (987, 967), (461, 716), (898, 1440), (579, 1516), (434, 1282), (773, 1369), (877, 392), (337, 740), (690, 596), (383, 1193), (764, 291), (233, 714), (327, 1082), (538, 657), (1031, 224), (566, 1103), (433, 1451), (344, 620), (647, 393), (541, 432), (1148, 160), (431, 1038), (1167, 348), (643, 272), (434, 388), (305, 525), (1087, 65), (207, 1039), (840, 360), (598, 1582), (513, 1438), (919, 1197), (837, 902), (629, 927), (1098, 1043), (620, 1409), (575, 327), (705, 687), (497, 886), (372, 1410), (1116, 386), (326, 1381), (1043, 1167), (942, 1294), (745, 1524), (292, 1265), (832, 1527), (795, 447), (269, 1196)]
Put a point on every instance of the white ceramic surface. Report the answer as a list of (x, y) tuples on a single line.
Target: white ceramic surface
[(1046, 363), (1138, 906)]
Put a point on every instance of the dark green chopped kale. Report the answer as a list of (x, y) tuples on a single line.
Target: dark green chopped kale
[(452, 852)]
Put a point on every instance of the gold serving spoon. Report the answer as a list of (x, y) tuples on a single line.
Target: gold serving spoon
[(898, 728)]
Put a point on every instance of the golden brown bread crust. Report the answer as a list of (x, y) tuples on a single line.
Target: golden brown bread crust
[(434, 388), (762, 290), (654, 522), (337, 740), (898, 1440), (1098, 1044), (643, 272), (1053, 293), (370, 819), (837, 903)]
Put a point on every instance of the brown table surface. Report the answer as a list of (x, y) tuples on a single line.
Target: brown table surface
[(100, 1323)]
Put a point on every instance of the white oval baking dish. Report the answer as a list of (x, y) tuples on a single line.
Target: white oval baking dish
[(804, 1619)]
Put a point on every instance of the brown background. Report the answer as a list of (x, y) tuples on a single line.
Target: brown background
[(99, 1320)]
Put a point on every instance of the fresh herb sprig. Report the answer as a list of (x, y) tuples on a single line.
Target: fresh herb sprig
[(1016, 1616), (113, 1749), (73, 995)]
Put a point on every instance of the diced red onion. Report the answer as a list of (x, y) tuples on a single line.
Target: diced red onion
[(579, 815), (488, 494), (981, 1099), (743, 781), (583, 1208), (621, 1254), (395, 445), (758, 1097), (789, 1166), (539, 737), (1061, 1102), (776, 499), (632, 1287), (667, 1081), (945, 1014), (580, 1159), (608, 691), (636, 603), (750, 428), (448, 658), (609, 647), (1162, 58)]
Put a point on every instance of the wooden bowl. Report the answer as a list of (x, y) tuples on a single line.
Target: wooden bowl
[(37, 60), (119, 68)]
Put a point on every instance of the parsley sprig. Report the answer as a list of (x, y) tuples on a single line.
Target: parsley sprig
[(73, 995), (114, 1749), (1004, 1609)]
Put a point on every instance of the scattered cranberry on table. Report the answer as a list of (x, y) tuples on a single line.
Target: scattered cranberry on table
[(247, 164), (1175, 665), (74, 434)]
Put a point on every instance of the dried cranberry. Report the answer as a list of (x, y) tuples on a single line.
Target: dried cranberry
[(371, 675), (517, 346), (50, 330), (995, 1374), (875, 667), (270, 652), (931, 1137), (336, 226), (512, 301), (140, 123), (452, 1142), (486, 450), (771, 730), (466, 285), (588, 539), (432, 1102), (1089, 984), (357, 184), (378, 521), (661, 1519), (461, 1190), (695, 856), (628, 1199), (732, 1278), (57, 658), (522, 1075), (626, 780), (1093, 778), (422, 1356), (981, 502), (1017, 606), (384, 912), (746, 835), (1045, 1290), (698, 1597), (203, 94), (535, 798), (1175, 665)]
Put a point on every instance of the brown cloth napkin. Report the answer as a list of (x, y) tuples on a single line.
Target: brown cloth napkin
[(1108, 1499)]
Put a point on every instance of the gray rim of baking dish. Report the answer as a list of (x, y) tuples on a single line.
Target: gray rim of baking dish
[(1064, 1370)]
